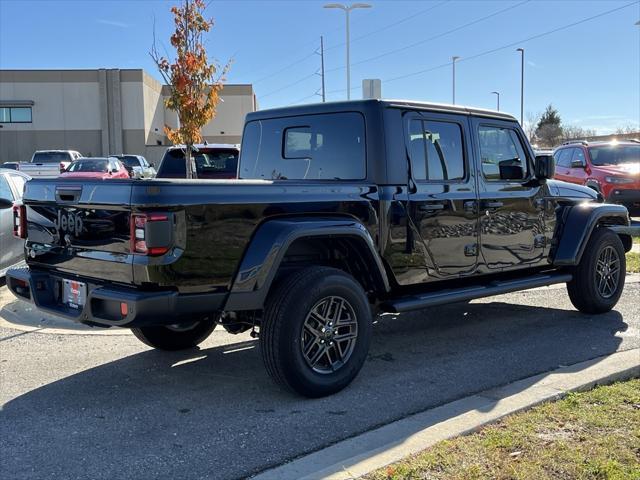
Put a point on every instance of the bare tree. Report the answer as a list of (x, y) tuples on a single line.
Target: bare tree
[(573, 132), (530, 125)]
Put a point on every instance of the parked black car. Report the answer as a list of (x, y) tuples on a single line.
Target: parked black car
[(341, 210)]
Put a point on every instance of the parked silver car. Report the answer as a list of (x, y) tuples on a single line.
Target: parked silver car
[(11, 248), (137, 165)]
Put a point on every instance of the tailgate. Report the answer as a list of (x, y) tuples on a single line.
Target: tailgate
[(80, 227), (49, 170)]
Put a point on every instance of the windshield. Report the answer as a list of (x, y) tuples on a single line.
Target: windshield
[(50, 157), (210, 163), (615, 154), (129, 160), (89, 166)]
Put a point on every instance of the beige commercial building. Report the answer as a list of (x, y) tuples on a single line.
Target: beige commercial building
[(101, 112)]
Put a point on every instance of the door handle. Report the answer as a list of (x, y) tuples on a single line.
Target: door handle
[(429, 207), (492, 204)]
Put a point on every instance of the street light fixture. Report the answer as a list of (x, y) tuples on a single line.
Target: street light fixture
[(521, 50), (453, 63), (347, 10), (497, 94)]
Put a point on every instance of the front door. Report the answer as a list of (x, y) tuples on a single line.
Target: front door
[(442, 193), (511, 201)]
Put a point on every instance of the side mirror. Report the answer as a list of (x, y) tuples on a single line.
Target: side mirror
[(577, 164), (545, 167), (5, 203), (511, 169)]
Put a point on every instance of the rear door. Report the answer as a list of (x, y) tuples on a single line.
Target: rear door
[(442, 193), (563, 164), (511, 204)]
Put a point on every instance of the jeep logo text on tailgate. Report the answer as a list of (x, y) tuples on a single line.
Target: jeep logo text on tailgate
[(69, 222)]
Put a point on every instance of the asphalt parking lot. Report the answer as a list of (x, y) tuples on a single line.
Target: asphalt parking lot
[(77, 404)]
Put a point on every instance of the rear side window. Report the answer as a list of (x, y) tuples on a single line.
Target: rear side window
[(563, 157), (18, 183), (309, 147), (51, 157), (5, 190), (436, 151), (501, 153)]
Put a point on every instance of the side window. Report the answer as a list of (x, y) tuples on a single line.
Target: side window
[(18, 183), (307, 147), (436, 151), (563, 157), (501, 154), (5, 190), (578, 156)]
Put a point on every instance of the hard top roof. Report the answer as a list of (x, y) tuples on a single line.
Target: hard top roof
[(361, 105)]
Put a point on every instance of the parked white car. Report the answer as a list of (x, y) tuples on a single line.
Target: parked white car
[(49, 163)]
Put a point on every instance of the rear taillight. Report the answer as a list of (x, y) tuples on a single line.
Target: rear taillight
[(141, 224), (20, 221)]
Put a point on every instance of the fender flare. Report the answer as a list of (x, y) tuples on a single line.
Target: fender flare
[(269, 245), (578, 223)]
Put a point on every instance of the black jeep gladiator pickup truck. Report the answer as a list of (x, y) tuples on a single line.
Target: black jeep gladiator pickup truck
[(341, 210)]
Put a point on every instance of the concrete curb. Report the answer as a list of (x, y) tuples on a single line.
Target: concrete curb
[(377, 448)]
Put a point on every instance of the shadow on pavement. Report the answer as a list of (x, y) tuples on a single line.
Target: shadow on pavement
[(214, 413)]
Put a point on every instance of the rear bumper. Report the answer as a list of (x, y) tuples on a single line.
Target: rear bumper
[(104, 303)]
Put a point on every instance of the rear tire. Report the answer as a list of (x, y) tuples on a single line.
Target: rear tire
[(598, 280), (176, 337), (316, 331)]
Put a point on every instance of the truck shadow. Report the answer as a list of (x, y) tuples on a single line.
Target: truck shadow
[(204, 406)]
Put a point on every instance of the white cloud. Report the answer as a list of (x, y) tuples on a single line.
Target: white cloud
[(113, 23)]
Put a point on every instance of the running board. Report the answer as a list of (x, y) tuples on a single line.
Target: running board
[(452, 295)]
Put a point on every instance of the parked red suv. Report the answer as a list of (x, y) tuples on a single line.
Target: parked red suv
[(611, 168)]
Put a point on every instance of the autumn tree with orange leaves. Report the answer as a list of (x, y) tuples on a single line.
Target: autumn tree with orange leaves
[(194, 83)]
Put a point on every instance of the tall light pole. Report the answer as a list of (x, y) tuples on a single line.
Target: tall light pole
[(347, 10), (521, 50), (497, 94), (453, 63)]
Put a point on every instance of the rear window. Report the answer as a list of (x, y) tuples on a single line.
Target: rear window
[(51, 157), (129, 160), (310, 147), (89, 166), (210, 163)]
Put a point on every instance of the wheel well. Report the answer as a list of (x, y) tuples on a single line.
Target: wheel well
[(348, 253), (613, 221)]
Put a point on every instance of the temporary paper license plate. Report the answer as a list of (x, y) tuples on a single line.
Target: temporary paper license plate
[(74, 293)]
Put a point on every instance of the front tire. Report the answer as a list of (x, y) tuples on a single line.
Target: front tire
[(598, 280), (176, 337), (316, 331)]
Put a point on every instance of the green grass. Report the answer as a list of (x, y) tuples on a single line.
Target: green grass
[(633, 262), (592, 435)]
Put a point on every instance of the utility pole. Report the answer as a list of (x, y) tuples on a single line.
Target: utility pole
[(322, 67), (453, 62), (497, 94), (347, 11), (521, 50)]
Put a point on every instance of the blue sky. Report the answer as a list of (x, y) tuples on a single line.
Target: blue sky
[(589, 71)]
